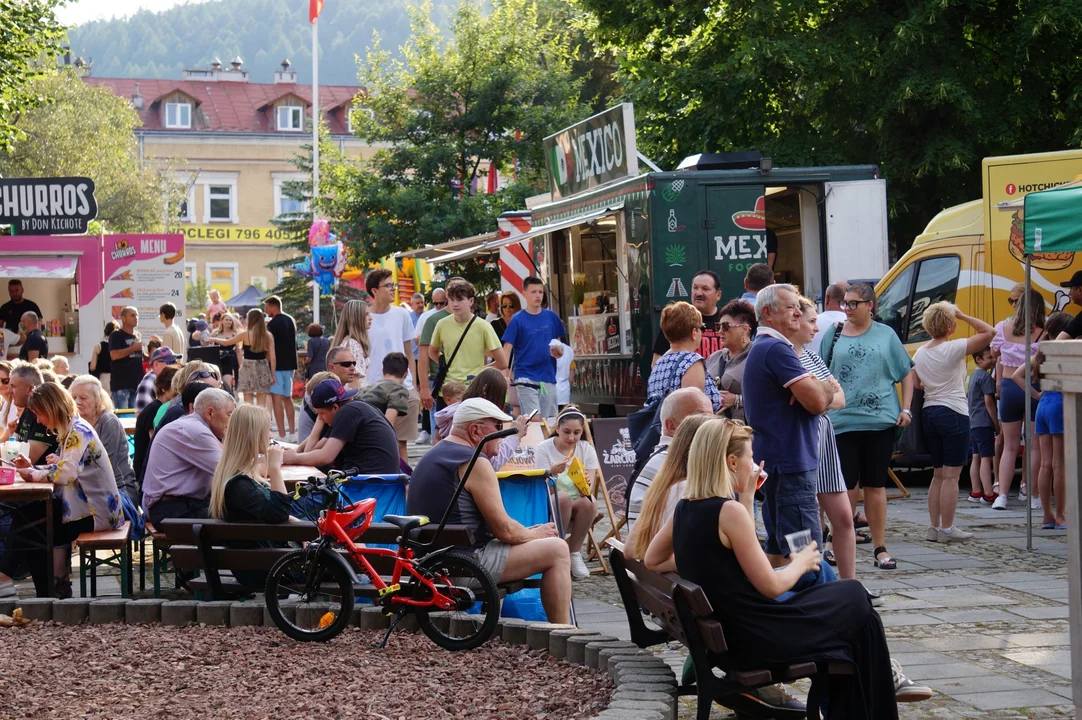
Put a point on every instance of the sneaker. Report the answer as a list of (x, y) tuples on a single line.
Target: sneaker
[(1000, 503), (1022, 494), (578, 566), (873, 596), (955, 535), (776, 697), (423, 438), (989, 499), (905, 690), (7, 588), (975, 497), (932, 535), (1035, 503)]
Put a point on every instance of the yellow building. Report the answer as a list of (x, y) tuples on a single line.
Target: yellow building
[(231, 142)]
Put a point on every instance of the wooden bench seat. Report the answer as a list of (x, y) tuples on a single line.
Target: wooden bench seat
[(118, 541), (682, 612)]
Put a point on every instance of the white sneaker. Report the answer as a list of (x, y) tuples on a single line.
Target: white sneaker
[(423, 438), (955, 535), (905, 690), (578, 566), (932, 535), (1000, 503), (7, 588), (1022, 494), (1035, 503)]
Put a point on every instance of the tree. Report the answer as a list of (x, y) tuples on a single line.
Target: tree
[(90, 131), (488, 93), (925, 89), (30, 36)]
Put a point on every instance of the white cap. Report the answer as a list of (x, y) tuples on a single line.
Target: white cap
[(476, 409)]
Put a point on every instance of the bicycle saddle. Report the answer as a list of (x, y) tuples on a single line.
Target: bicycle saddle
[(406, 522)]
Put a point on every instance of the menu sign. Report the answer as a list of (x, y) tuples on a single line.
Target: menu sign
[(48, 206), (144, 271), (594, 152)]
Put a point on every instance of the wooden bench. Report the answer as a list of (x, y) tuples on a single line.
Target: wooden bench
[(120, 558), (201, 545), (683, 613)]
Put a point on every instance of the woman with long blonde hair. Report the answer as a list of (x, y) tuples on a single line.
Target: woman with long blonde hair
[(228, 328), (352, 334), (665, 489), (711, 541), (257, 367), (248, 485)]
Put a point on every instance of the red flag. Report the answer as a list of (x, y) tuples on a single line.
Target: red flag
[(493, 179), (315, 7)]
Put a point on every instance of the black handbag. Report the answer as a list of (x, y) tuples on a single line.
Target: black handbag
[(441, 374)]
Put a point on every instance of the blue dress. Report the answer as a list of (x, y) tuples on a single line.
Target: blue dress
[(668, 374)]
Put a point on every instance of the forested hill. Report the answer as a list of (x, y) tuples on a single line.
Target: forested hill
[(262, 32)]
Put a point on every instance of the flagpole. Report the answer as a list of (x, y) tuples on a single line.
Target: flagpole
[(316, 116)]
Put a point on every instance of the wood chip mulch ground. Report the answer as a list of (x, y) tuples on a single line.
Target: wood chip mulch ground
[(120, 671)]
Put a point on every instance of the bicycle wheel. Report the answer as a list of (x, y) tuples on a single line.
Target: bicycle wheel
[(473, 589), (309, 595)]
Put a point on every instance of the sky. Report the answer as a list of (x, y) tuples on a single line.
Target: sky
[(78, 12)]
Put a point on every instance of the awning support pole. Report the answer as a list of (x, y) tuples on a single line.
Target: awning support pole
[(1027, 476)]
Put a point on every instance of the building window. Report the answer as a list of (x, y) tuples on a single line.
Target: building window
[(178, 115), (221, 202), (349, 116), (283, 204), (223, 278), (290, 117), (259, 281)]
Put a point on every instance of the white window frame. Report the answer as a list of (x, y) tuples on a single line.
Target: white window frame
[(209, 267), (296, 112), (220, 179), (263, 281), (279, 179), (178, 125), (349, 115), (281, 274), (189, 201)]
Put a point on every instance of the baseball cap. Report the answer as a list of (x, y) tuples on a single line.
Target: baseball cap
[(1075, 281), (164, 354), (476, 409), (330, 392)]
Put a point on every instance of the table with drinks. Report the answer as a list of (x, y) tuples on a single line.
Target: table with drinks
[(13, 497)]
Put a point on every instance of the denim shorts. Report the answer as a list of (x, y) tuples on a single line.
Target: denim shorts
[(1049, 414), (982, 441), (1012, 402), (790, 505), (946, 435), (283, 383)]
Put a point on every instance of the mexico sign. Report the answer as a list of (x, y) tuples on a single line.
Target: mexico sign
[(47, 206), (595, 152)]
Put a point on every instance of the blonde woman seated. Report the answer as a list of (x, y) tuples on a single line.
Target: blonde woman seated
[(711, 541), (89, 499), (248, 485), (96, 407), (577, 510)]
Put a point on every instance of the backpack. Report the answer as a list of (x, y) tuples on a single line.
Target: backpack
[(644, 429)]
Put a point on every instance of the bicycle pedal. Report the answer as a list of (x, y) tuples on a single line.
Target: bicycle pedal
[(390, 589)]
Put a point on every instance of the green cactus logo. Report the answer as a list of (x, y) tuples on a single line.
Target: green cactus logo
[(676, 255)]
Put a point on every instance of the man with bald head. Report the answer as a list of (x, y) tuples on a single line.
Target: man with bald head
[(35, 345), (832, 311), (677, 406)]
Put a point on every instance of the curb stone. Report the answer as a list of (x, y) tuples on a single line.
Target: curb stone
[(537, 634), (178, 612), (73, 611), (513, 630), (558, 640), (593, 650), (213, 612), (108, 611), (143, 612), (37, 608), (248, 612), (576, 646)]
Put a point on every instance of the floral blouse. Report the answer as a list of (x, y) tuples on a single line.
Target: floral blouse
[(84, 477), (362, 359)]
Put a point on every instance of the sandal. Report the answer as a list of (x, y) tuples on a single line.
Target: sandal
[(858, 523), (887, 564), (828, 555), (863, 539)]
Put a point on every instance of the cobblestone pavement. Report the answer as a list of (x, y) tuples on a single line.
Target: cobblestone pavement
[(983, 623)]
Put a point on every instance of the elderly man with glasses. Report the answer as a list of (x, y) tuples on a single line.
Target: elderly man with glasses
[(507, 549)]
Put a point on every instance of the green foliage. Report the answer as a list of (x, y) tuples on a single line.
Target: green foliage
[(29, 38), (925, 88), (90, 131), (195, 295), (261, 32), (489, 92)]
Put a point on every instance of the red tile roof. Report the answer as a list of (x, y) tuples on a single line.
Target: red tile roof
[(231, 106)]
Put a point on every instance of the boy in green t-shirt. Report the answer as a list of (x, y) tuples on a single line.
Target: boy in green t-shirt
[(390, 395)]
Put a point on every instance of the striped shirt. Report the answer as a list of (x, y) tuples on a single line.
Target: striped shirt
[(830, 469)]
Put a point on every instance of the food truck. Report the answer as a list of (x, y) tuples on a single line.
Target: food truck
[(615, 245)]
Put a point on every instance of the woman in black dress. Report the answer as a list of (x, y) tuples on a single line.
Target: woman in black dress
[(711, 541)]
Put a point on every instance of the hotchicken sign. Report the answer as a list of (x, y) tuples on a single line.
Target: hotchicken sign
[(48, 206)]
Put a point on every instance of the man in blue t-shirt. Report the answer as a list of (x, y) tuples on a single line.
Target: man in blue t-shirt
[(781, 403), (528, 342)]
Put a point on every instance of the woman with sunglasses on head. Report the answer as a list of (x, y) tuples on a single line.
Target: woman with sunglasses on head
[(1009, 345), (577, 509), (352, 334), (256, 374), (194, 371), (869, 362), (681, 365), (737, 327), (89, 498)]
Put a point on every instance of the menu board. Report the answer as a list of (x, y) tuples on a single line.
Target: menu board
[(144, 271), (595, 334)]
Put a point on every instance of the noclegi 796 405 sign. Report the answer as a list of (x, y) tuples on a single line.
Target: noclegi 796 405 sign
[(47, 206)]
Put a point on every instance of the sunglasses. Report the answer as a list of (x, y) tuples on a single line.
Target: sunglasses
[(854, 304), (702, 328), (347, 363), (1012, 301), (202, 374), (439, 304), (507, 307), (727, 326), (5, 381)]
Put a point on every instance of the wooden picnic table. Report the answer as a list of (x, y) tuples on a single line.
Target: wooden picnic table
[(22, 492), (293, 474)]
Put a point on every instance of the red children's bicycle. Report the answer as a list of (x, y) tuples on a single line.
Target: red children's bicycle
[(310, 593)]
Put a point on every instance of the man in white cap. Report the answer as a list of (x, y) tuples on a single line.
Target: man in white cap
[(508, 550)]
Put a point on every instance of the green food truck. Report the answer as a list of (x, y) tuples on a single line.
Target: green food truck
[(615, 245)]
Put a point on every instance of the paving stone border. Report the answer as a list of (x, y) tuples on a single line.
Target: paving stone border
[(644, 685)]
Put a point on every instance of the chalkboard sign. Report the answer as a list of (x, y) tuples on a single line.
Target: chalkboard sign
[(617, 457)]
